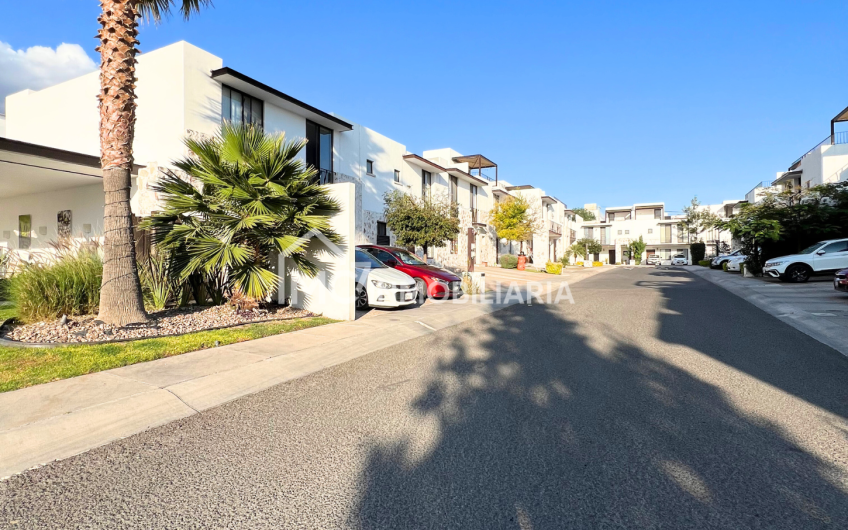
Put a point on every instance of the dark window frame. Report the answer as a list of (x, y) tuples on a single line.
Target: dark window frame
[(369, 167), (226, 109), (426, 183), (397, 175)]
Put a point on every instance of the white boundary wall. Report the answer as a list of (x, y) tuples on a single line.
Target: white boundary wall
[(331, 291)]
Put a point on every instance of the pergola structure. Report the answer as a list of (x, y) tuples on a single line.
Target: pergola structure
[(842, 116), (479, 162)]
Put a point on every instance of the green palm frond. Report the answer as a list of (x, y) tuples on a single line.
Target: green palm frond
[(252, 197), (156, 10)]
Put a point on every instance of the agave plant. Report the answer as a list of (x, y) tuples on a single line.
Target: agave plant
[(247, 196)]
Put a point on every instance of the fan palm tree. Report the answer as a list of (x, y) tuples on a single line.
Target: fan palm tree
[(120, 295), (247, 195)]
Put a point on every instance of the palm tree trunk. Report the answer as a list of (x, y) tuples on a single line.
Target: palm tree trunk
[(120, 295)]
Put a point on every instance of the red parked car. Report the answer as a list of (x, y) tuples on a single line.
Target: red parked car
[(840, 282), (429, 280)]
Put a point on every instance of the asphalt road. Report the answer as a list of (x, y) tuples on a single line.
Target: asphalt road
[(658, 400)]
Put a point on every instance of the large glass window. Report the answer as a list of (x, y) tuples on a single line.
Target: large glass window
[(319, 147), (238, 107), (426, 182)]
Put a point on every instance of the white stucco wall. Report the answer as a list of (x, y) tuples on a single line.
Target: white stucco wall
[(2, 125), (85, 203), (331, 292)]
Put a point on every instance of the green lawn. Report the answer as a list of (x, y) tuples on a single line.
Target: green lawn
[(22, 367), (6, 312)]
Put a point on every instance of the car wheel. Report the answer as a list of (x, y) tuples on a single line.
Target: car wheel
[(798, 273), (421, 286), (361, 298)]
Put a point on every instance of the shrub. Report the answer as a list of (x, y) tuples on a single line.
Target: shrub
[(704, 263), (597, 264), (509, 261), (159, 282), (742, 269), (618, 263), (553, 268), (724, 266), (565, 260), (697, 251), (69, 285)]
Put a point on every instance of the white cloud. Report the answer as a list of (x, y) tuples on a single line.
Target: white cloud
[(40, 66)]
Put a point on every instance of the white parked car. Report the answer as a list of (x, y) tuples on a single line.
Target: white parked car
[(679, 259), (734, 263), (380, 286), (718, 261), (822, 258)]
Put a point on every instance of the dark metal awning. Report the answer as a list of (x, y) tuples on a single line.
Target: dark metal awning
[(251, 86)]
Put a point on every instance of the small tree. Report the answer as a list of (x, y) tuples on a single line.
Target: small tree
[(754, 228), (584, 213), (589, 246), (514, 220), (419, 222), (637, 248)]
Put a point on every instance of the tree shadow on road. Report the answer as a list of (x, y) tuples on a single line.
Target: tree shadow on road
[(581, 427)]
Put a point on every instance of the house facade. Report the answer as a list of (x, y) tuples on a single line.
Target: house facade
[(184, 91), (617, 227)]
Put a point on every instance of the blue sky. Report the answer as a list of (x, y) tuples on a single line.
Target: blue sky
[(608, 102)]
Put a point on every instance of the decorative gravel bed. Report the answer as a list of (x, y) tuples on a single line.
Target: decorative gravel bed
[(178, 321)]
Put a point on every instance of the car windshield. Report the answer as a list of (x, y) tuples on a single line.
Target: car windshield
[(679, 256), (810, 250), (407, 258), (366, 261)]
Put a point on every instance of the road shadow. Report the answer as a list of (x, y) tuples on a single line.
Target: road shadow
[(750, 340), (580, 427)]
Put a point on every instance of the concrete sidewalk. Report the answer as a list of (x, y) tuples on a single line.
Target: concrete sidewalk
[(60, 419), (814, 308)]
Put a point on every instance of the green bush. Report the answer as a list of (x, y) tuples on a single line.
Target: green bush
[(69, 285), (724, 266), (697, 251), (742, 269), (553, 268), (508, 261), (704, 263), (159, 281)]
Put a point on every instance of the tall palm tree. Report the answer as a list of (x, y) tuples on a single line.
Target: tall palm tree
[(120, 296)]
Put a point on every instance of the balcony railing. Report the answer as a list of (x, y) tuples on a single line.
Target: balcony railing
[(840, 137), (555, 228), (325, 176), (477, 217)]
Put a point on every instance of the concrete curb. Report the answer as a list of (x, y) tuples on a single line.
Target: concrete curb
[(825, 332)]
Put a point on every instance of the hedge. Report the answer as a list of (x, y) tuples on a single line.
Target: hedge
[(553, 268), (704, 263), (697, 251), (508, 261)]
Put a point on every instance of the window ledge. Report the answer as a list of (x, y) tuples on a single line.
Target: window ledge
[(370, 174)]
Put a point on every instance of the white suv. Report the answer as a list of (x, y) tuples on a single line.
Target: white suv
[(823, 257)]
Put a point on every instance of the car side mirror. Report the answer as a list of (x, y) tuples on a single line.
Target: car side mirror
[(820, 252), (391, 263)]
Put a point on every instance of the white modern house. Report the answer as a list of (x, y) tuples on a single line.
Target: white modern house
[(826, 163), (620, 226), (184, 91)]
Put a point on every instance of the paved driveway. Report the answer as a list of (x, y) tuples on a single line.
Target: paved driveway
[(640, 406), (815, 307)]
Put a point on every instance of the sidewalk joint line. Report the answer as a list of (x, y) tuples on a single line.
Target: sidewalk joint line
[(425, 325), (181, 400)]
